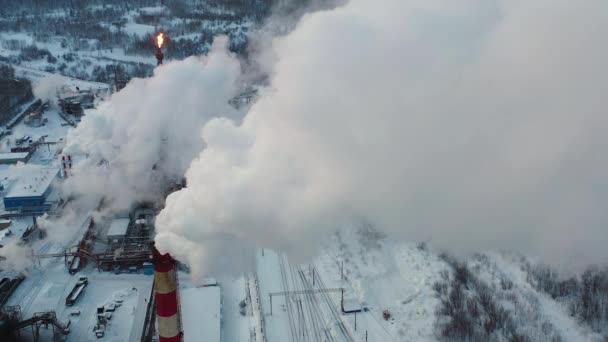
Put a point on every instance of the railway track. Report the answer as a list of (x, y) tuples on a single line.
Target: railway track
[(343, 331), (316, 312), (28, 298), (301, 329), (288, 305)]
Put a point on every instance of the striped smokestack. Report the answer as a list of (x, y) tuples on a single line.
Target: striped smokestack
[(165, 289)]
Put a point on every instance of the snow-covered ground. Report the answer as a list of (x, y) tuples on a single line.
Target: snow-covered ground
[(383, 275), (379, 275), (47, 281), (46, 288)]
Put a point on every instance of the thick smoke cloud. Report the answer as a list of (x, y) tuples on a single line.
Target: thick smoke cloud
[(472, 124), (144, 138)]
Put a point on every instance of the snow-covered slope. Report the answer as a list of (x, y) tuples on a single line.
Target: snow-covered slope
[(422, 291)]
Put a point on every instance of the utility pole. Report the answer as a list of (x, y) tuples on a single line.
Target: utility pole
[(355, 320), (301, 316), (365, 335)]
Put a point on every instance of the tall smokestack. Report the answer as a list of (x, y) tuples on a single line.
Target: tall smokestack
[(167, 306), (160, 40)]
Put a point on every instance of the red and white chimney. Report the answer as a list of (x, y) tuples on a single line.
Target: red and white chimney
[(165, 290)]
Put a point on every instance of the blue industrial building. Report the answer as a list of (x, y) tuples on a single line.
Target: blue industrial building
[(30, 192)]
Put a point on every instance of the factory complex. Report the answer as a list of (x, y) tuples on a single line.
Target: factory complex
[(83, 265), (91, 276)]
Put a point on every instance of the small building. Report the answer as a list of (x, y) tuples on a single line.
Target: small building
[(15, 157), (4, 223), (148, 268), (118, 230), (28, 148), (73, 107), (351, 306), (29, 193), (201, 313)]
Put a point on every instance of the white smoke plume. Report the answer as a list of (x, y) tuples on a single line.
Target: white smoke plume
[(46, 89), (473, 124), (146, 135), (16, 258)]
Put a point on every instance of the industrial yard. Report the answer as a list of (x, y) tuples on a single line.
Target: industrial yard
[(91, 277), (303, 171), (106, 263), (71, 271)]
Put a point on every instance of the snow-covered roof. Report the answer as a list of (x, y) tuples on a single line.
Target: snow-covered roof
[(351, 305), (209, 281), (13, 155), (119, 227), (31, 184), (201, 313)]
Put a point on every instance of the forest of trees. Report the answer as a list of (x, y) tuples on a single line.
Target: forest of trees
[(13, 92), (586, 295), (480, 303), (180, 8), (88, 26)]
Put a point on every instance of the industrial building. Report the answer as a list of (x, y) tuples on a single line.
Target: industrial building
[(72, 107), (118, 230), (15, 157), (76, 104), (201, 311), (30, 192)]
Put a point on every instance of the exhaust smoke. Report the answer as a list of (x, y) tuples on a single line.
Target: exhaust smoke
[(472, 124)]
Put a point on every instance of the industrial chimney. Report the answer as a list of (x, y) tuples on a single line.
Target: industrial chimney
[(167, 305)]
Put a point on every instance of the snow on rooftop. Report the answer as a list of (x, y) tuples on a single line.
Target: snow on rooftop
[(33, 183), (138, 29), (351, 305), (118, 227), (201, 313), (13, 155)]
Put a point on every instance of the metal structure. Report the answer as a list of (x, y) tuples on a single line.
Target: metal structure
[(11, 317), (159, 56), (103, 260), (7, 287), (131, 252)]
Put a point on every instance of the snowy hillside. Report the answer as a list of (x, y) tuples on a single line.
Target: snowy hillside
[(431, 296), (97, 41)]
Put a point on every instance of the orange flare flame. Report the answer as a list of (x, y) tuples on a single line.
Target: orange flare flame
[(160, 39)]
